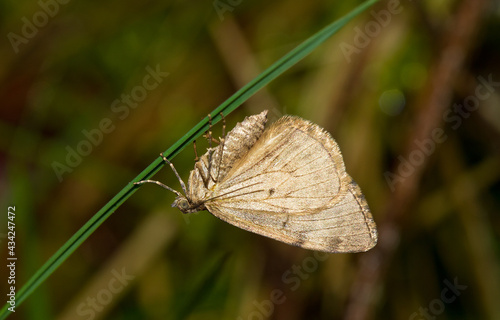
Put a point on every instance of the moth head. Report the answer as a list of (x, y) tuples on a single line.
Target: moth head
[(185, 205)]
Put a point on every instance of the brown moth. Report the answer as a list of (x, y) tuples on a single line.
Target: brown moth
[(287, 182)]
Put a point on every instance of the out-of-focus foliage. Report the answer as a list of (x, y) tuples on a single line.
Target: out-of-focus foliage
[(92, 92)]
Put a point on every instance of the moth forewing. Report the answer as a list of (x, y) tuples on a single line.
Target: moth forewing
[(292, 186), (288, 170)]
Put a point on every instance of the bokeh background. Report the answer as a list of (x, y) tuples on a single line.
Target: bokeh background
[(385, 86)]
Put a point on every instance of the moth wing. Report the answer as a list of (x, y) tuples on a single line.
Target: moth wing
[(239, 140), (347, 226), (237, 143), (292, 186), (295, 167)]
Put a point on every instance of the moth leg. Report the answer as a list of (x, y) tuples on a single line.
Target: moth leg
[(223, 125), (210, 151), (208, 135), (198, 166), (210, 138), (196, 159), (221, 146), (163, 185)]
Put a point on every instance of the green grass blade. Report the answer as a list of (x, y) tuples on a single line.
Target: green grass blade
[(225, 108)]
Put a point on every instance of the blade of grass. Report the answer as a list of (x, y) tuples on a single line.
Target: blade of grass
[(225, 108)]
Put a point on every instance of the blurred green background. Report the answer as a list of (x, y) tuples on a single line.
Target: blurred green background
[(391, 87)]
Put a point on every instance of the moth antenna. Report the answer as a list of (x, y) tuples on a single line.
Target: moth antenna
[(183, 186), (160, 184), (163, 185)]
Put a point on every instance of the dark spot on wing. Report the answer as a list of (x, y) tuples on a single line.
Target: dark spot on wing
[(285, 222), (271, 191), (335, 243), (300, 239)]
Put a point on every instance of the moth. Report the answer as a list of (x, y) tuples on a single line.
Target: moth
[(287, 182)]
